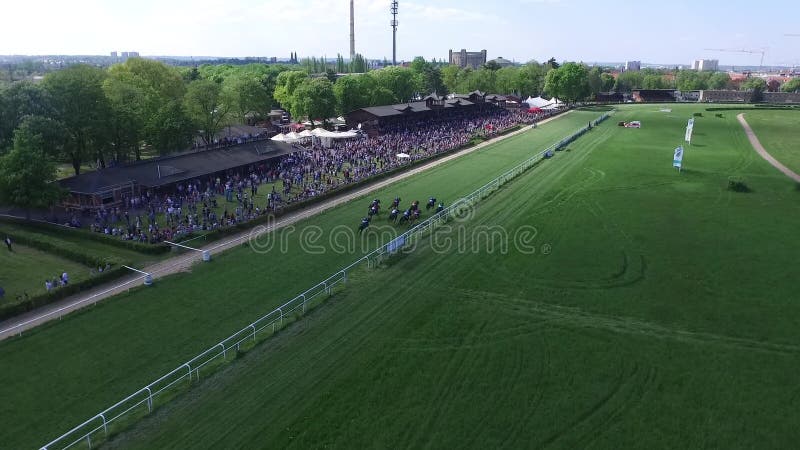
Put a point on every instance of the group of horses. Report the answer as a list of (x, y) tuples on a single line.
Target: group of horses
[(409, 216)]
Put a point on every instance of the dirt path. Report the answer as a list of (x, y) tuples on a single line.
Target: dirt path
[(56, 310), (763, 152)]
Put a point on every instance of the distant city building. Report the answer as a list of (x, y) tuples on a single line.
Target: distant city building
[(633, 66), (133, 54), (468, 59), (124, 55), (114, 55), (502, 62), (711, 65)]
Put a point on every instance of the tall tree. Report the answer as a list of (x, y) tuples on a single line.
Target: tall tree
[(27, 174), (351, 93), (249, 96), (285, 85), (18, 101), (81, 105), (314, 99), (791, 85), (595, 81), (531, 79), (719, 80), (208, 107), (155, 85), (607, 81), (399, 80), (569, 82), (175, 130)]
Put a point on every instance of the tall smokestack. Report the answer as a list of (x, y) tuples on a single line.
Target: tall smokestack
[(352, 32)]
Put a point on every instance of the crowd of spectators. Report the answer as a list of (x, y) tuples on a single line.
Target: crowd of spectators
[(309, 172)]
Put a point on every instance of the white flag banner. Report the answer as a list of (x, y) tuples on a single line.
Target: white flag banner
[(688, 137), (677, 159)]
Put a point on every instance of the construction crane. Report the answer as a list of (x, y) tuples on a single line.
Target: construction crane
[(752, 52)]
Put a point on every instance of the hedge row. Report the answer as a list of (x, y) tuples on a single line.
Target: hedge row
[(57, 247), (8, 310), (149, 249), (65, 250)]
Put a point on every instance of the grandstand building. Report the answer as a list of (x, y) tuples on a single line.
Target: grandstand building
[(371, 119), (108, 187)]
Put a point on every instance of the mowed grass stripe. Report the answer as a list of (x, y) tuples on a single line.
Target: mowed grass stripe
[(94, 358), (468, 350)]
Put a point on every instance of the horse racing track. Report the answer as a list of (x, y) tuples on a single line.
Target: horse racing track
[(600, 299)]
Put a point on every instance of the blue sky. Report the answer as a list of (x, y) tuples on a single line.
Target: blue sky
[(667, 32)]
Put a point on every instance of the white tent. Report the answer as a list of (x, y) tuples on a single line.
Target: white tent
[(403, 155), (305, 134), (538, 102), (279, 138)]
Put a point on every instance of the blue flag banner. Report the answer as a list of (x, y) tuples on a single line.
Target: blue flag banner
[(396, 244), (677, 159)]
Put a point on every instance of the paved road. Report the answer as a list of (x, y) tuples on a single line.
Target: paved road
[(56, 310), (763, 152)]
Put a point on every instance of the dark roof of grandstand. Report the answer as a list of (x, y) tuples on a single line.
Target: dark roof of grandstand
[(495, 98), (173, 169), (434, 96), (412, 107)]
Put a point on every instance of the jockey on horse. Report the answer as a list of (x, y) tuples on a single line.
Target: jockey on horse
[(364, 224), (431, 203), (440, 208), (393, 214), (415, 205), (396, 202), (406, 216)]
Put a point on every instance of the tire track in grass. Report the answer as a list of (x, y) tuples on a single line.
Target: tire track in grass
[(515, 430), (572, 317)]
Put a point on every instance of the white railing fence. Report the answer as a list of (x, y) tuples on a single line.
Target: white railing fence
[(142, 402)]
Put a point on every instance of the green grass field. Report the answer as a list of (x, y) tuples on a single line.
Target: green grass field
[(779, 133), (124, 343), (662, 315), (25, 269)]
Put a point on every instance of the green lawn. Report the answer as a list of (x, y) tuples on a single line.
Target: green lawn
[(94, 358), (25, 269), (779, 133), (80, 244), (662, 314)]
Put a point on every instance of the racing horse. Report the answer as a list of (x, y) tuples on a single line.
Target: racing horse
[(364, 224), (431, 203), (406, 217), (396, 203), (393, 215)]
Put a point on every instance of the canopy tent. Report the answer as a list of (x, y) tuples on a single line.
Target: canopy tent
[(279, 138), (305, 134), (537, 102), (291, 137), (403, 155)]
